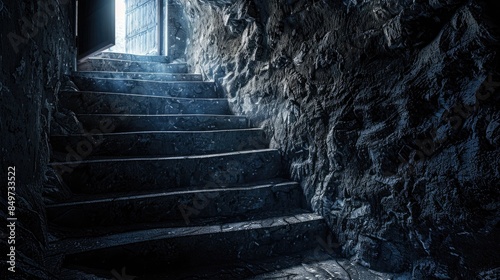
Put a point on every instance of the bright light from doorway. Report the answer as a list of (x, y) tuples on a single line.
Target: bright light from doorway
[(120, 25), (120, 8)]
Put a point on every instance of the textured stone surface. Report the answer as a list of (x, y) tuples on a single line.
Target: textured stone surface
[(134, 57), (137, 174), (130, 206), (159, 143), (177, 30), (125, 123), (112, 103), (118, 65), (36, 51), (222, 203), (314, 264), (177, 249), (140, 76), (385, 111), (144, 87)]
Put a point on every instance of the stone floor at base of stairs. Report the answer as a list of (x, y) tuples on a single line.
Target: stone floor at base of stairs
[(313, 265)]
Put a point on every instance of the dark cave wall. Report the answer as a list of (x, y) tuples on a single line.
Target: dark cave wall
[(37, 50), (385, 111)]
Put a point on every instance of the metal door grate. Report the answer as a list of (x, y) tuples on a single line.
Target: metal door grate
[(142, 26)]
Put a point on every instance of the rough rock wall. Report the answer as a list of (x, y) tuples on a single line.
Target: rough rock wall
[(386, 111), (36, 51)]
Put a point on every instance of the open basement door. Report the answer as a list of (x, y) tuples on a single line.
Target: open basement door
[(96, 26)]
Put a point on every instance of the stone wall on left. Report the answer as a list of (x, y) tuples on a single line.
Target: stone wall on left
[(37, 51)]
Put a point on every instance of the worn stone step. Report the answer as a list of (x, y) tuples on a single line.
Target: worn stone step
[(182, 207), (133, 57), (165, 77), (186, 248), (153, 173), (58, 232), (320, 263), (88, 102), (120, 65), (159, 143), (166, 89), (109, 123)]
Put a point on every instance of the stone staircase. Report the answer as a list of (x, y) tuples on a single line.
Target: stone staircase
[(165, 180)]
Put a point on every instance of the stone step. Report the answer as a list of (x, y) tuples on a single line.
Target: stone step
[(119, 65), (182, 207), (134, 57), (160, 143), (185, 248), (88, 102), (165, 77), (154, 173), (109, 123), (320, 263), (156, 88)]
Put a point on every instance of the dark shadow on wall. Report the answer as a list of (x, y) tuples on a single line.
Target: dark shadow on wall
[(37, 50)]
